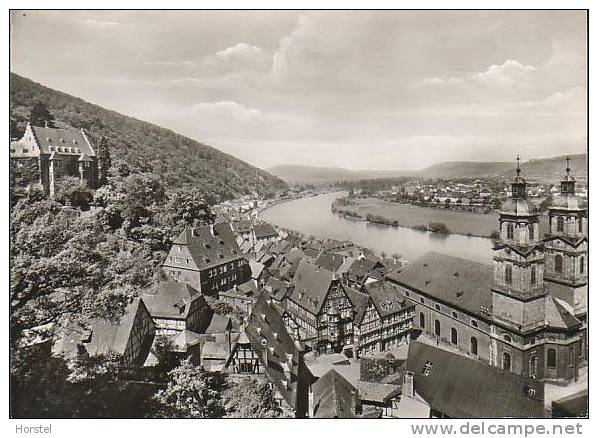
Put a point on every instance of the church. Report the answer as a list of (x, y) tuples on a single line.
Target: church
[(527, 312)]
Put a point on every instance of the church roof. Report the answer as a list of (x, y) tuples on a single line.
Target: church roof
[(519, 207), (559, 315), (567, 202), (461, 283)]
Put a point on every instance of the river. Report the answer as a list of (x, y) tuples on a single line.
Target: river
[(312, 216)]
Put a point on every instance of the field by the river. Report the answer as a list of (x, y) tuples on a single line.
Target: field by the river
[(410, 216)]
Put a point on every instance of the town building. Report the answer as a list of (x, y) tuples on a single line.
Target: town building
[(177, 307), (454, 386), (129, 337), (207, 258), (500, 314), (56, 153)]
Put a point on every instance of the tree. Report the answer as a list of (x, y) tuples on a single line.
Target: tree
[(41, 116), (163, 350), (191, 393), (70, 190), (251, 399), (186, 207), (104, 160)]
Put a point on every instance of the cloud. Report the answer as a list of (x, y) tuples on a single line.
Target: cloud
[(101, 23)]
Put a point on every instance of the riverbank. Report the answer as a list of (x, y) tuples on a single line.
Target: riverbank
[(417, 218)]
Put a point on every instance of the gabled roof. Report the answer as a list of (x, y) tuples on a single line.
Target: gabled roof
[(461, 283), (467, 388), (311, 285), (256, 269), (264, 230), (63, 141), (329, 261), (219, 324), (378, 392), (207, 249), (334, 396), (276, 288), (558, 315), (168, 297), (386, 297), (360, 302), (242, 226), (278, 353)]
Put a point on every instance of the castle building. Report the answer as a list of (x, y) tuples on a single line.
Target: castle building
[(57, 153), (506, 314)]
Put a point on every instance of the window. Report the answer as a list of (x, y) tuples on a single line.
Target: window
[(406, 293), (454, 336), (509, 231), (437, 328), (580, 224), (507, 338), (558, 263), (421, 300), (508, 274), (474, 346), (437, 307), (427, 368), (531, 232), (455, 315), (551, 358), (560, 223), (571, 356), (506, 361), (474, 323), (533, 275), (582, 261), (533, 367), (422, 320)]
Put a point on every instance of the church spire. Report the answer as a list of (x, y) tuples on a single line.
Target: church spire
[(518, 185), (568, 182)]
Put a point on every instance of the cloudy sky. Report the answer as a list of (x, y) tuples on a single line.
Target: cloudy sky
[(378, 90)]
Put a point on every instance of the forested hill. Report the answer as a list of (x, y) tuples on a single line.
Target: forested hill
[(145, 147)]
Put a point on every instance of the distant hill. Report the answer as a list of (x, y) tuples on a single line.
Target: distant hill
[(300, 174), (548, 169), (551, 169), (146, 147), (454, 169)]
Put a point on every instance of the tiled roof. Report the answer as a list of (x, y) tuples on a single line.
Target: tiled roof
[(558, 315), (360, 302), (278, 353), (264, 230), (63, 141), (461, 283), (329, 261), (466, 388), (207, 249), (386, 297), (256, 269), (334, 396), (168, 296), (219, 324), (311, 285), (276, 288), (378, 392)]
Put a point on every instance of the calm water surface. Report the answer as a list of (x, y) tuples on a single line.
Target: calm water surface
[(312, 216)]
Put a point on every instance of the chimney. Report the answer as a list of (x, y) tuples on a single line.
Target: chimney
[(407, 389)]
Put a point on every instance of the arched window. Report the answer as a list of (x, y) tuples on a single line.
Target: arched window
[(533, 275), (421, 300), (454, 336), (437, 328), (508, 274), (533, 367), (422, 320), (474, 323), (437, 306), (507, 338), (582, 262), (551, 358), (509, 231), (506, 361), (474, 346), (558, 263), (560, 223)]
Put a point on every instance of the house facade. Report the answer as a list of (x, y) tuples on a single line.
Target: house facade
[(207, 258)]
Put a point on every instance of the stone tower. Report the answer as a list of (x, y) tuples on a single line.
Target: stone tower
[(518, 294)]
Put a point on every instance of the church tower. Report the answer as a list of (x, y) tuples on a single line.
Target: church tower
[(567, 247), (518, 293)]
